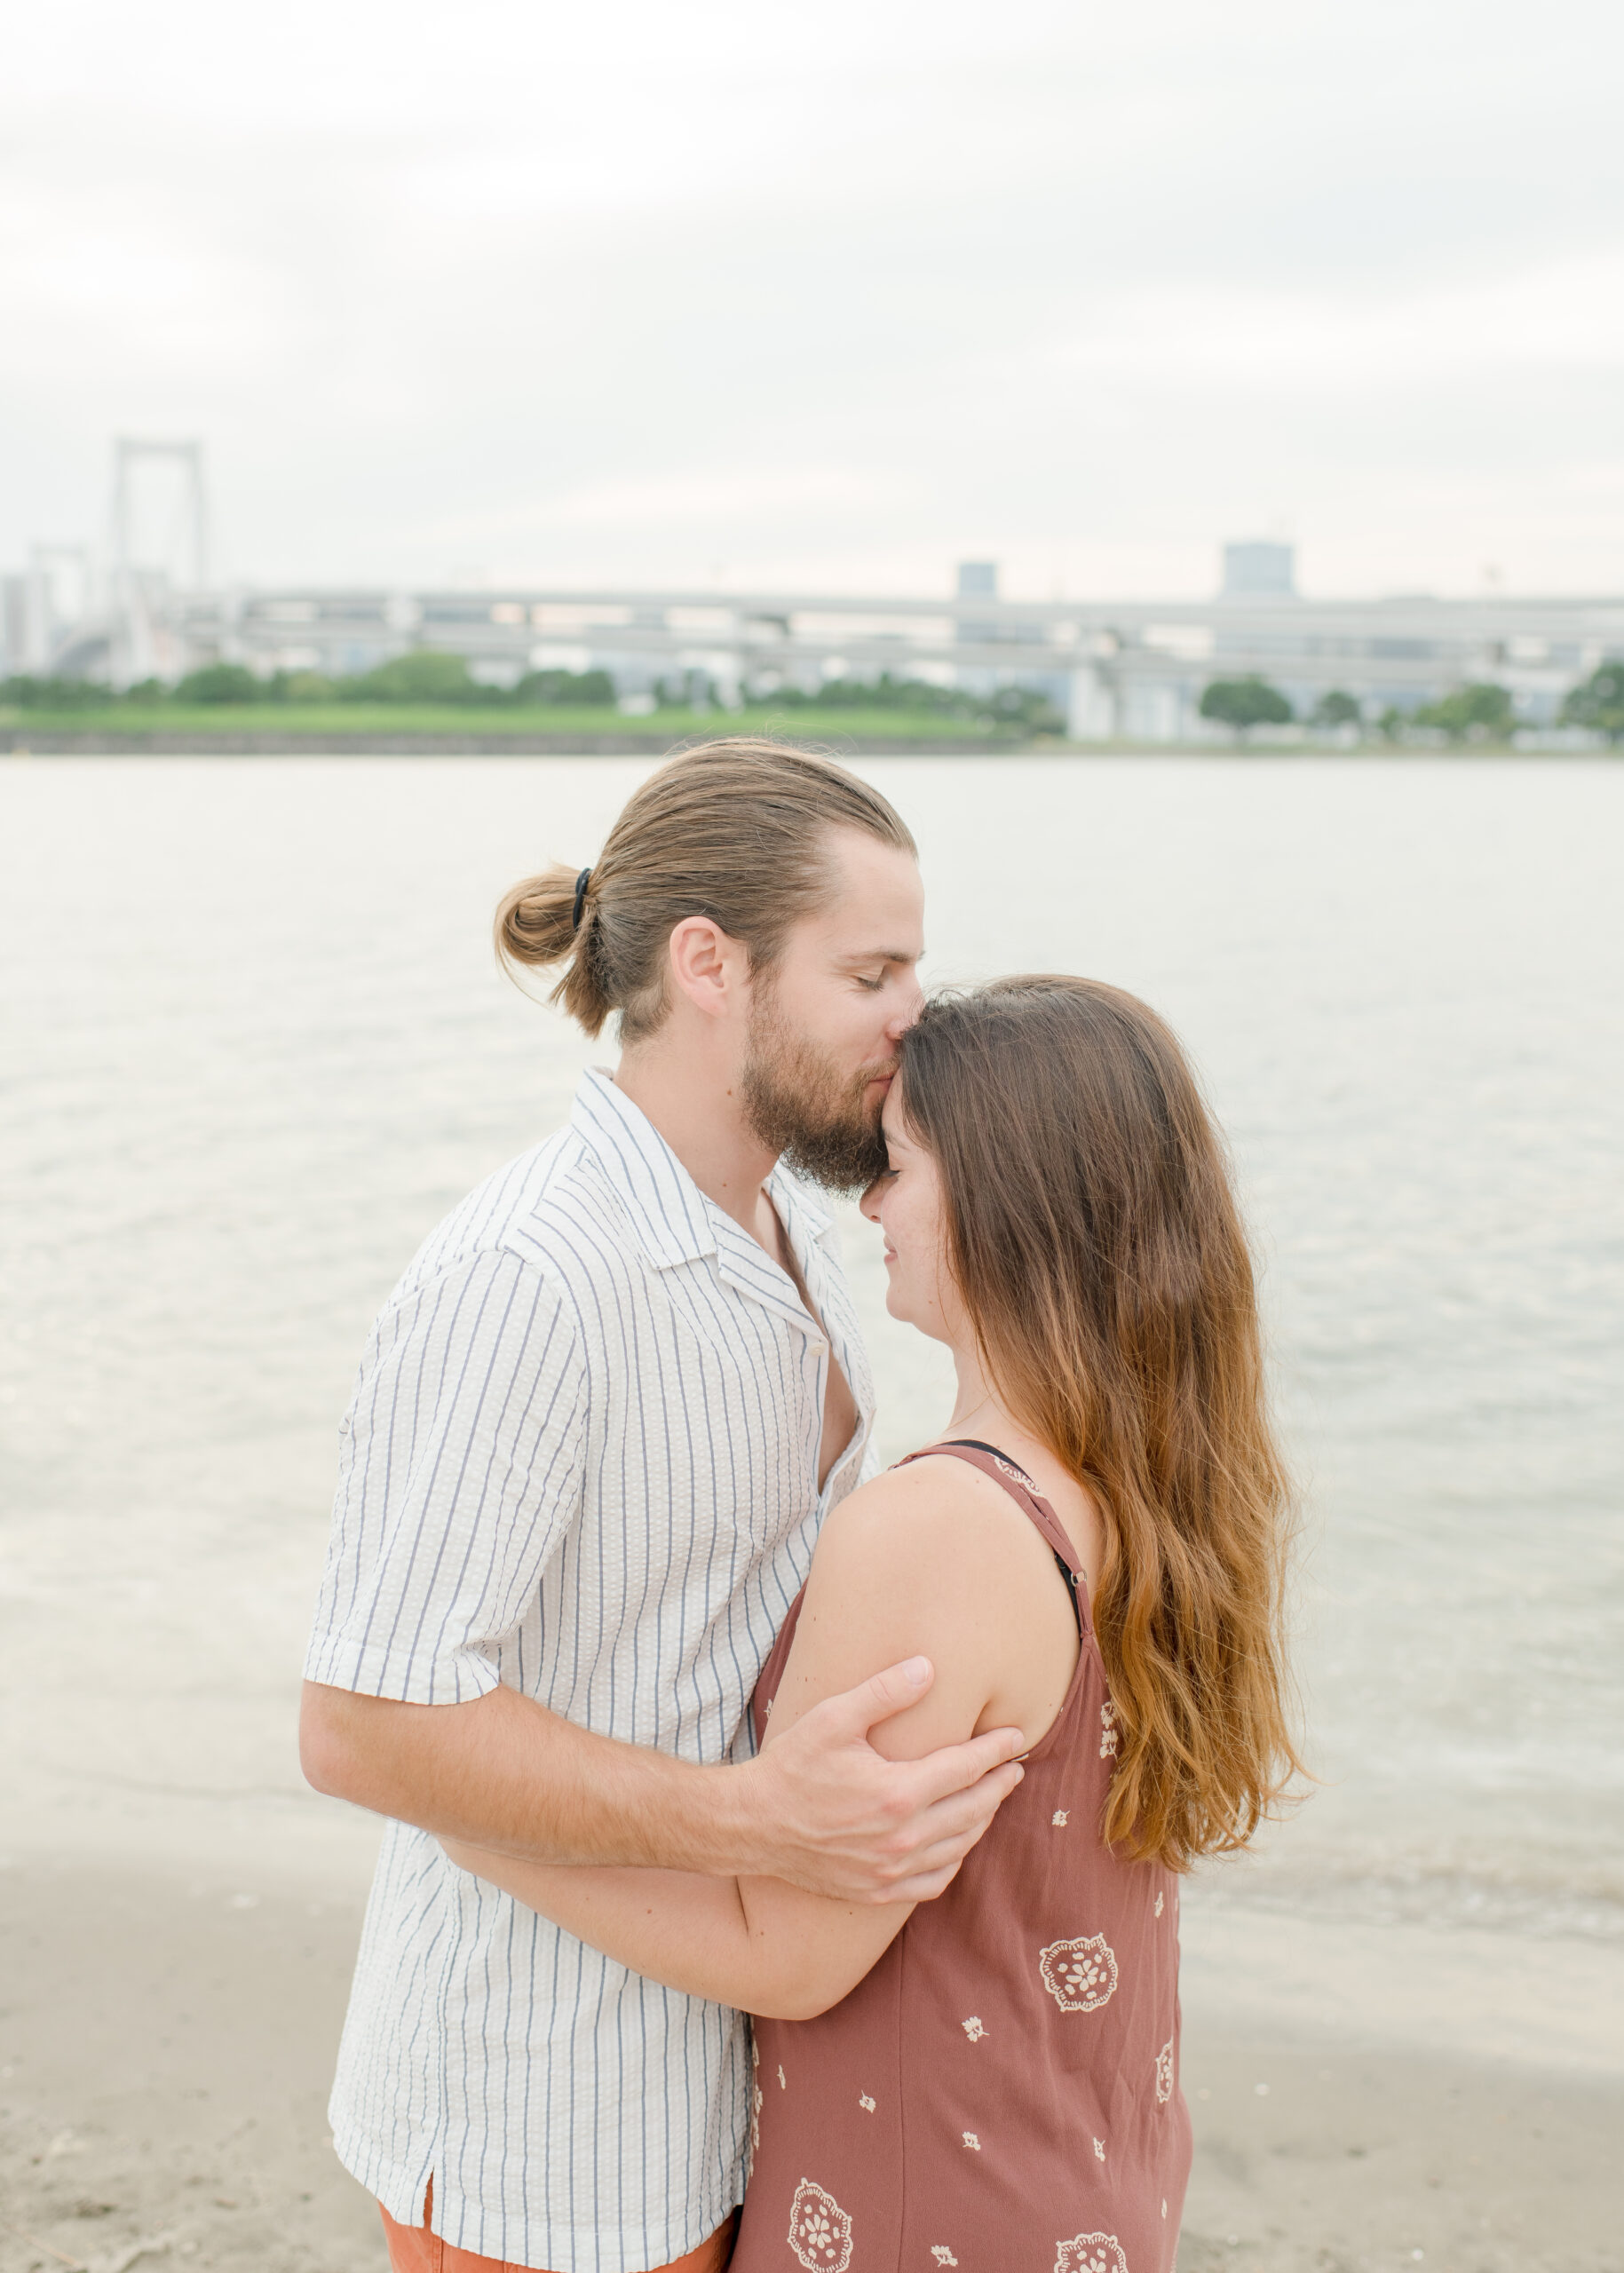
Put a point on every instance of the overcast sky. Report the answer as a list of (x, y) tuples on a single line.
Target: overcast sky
[(732, 292)]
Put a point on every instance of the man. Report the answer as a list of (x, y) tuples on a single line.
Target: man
[(597, 1427)]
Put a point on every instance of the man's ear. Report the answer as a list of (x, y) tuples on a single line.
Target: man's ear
[(707, 967)]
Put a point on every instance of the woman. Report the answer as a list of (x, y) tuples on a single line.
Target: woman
[(1093, 1553)]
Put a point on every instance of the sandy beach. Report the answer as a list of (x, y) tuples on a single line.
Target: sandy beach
[(167, 2042)]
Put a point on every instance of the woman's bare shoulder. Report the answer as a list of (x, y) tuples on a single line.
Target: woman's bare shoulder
[(933, 1503), (920, 1562), (934, 1558)]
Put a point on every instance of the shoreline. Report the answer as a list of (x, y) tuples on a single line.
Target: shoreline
[(165, 2060), (17, 742)]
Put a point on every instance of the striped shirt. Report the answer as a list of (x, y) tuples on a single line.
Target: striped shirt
[(581, 1459)]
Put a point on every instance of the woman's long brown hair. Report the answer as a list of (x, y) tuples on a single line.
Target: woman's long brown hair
[(1095, 1241)]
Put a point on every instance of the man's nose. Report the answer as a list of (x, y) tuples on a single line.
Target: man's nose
[(907, 1012)]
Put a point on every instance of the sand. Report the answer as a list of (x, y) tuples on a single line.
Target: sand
[(166, 2050), (166, 2043)]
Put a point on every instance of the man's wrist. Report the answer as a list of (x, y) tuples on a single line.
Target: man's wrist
[(727, 1825)]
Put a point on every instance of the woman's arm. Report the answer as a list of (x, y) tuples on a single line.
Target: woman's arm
[(701, 1934), (929, 1558)]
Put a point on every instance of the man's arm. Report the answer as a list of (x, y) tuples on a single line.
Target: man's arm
[(404, 1712), (820, 1807), (922, 1559)]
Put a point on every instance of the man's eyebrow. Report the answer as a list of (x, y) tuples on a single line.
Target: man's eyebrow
[(884, 955)]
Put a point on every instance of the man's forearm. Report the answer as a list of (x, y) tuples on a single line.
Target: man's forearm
[(820, 1807), (507, 1774)]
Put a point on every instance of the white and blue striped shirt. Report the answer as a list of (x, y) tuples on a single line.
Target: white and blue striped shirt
[(582, 1459)]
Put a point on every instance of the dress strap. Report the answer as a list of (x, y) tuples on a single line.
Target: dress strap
[(1018, 1484)]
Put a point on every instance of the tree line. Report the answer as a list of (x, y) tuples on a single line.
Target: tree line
[(1479, 712), (422, 676), (426, 675)]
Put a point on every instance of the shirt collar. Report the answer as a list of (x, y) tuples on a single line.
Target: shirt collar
[(801, 1212), (667, 1210), (674, 1220)]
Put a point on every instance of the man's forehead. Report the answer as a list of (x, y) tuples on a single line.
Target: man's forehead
[(877, 911), (865, 870)]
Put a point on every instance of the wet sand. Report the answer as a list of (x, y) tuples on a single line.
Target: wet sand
[(166, 2044)]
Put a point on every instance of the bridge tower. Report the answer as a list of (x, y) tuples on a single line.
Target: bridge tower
[(186, 459), (140, 644)]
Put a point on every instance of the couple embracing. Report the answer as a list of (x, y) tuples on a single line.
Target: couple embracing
[(755, 1814)]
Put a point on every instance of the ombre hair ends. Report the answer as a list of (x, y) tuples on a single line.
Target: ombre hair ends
[(1094, 1238)]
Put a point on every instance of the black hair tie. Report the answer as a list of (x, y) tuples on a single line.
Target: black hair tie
[(582, 881)]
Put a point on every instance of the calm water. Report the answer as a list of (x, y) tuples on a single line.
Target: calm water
[(255, 1045)]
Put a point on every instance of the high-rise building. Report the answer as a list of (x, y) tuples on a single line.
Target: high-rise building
[(1258, 568)]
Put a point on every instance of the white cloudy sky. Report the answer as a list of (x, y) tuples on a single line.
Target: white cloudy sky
[(730, 290)]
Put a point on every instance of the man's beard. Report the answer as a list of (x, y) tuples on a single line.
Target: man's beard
[(818, 1118)]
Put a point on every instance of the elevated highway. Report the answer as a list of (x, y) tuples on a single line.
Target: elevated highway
[(1111, 666)]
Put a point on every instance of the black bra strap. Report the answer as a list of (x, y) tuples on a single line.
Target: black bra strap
[(975, 1445)]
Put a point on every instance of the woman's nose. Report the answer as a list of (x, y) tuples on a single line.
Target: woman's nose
[(869, 1204)]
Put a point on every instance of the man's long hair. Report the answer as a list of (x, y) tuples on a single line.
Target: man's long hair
[(738, 829)]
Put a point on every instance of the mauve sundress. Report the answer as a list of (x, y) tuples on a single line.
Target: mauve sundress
[(1001, 2093)]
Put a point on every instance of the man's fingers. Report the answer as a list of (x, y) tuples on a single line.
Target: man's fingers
[(883, 1694), (891, 1691), (957, 1767), (949, 1830), (920, 1889), (933, 1869), (928, 1813)]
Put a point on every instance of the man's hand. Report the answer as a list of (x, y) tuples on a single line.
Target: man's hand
[(821, 1807), (830, 1814)]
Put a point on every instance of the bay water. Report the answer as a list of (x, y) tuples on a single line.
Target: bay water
[(255, 1045)]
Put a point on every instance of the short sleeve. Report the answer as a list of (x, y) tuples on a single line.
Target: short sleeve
[(461, 1474)]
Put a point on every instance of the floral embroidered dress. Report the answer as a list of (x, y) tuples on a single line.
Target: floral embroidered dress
[(1001, 2093)]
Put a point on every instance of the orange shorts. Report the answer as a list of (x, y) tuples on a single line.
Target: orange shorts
[(414, 2249)]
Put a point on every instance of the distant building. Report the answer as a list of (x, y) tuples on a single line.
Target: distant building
[(1257, 569), (1110, 667), (978, 580)]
